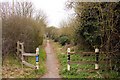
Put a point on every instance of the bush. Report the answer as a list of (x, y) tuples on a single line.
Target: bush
[(63, 40), (21, 26)]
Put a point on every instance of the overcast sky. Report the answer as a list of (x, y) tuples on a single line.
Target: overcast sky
[(54, 9)]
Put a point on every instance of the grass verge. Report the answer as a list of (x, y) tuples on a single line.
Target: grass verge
[(12, 67), (79, 70)]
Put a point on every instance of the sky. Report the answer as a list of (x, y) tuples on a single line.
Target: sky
[(54, 9)]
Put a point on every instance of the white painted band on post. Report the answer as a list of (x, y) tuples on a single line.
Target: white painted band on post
[(37, 50), (96, 66), (68, 50), (96, 50), (68, 67), (37, 65)]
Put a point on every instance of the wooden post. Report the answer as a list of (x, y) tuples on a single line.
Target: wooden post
[(22, 48), (68, 59), (22, 62), (37, 58), (97, 58), (18, 48)]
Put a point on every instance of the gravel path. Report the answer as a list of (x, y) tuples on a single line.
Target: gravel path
[(51, 63)]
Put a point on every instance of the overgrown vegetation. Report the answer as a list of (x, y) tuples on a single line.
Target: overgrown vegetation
[(80, 70), (56, 34), (94, 25), (97, 26), (21, 22)]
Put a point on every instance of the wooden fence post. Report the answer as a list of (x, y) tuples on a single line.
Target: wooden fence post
[(18, 47), (97, 58), (22, 55), (22, 48), (37, 58), (68, 59)]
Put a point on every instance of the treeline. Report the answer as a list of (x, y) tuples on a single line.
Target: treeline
[(93, 25), (57, 35), (21, 22)]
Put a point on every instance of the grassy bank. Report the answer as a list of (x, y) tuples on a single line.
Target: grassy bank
[(12, 68), (80, 70)]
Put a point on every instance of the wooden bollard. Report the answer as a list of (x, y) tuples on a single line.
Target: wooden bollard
[(37, 58), (97, 58), (68, 59)]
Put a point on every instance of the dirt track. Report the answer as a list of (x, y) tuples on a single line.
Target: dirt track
[(51, 63)]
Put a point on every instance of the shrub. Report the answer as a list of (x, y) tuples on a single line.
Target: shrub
[(23, 27), (63, 40)]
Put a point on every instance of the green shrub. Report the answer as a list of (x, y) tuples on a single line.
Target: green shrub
[(63, 40)]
